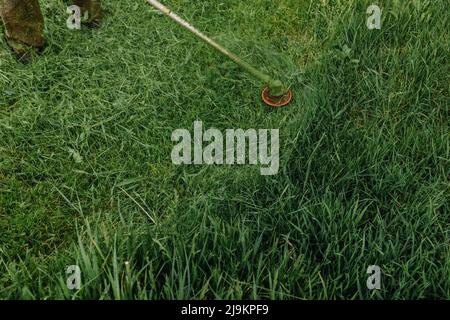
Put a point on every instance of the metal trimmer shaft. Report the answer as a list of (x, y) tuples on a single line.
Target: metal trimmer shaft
[(275, 87)]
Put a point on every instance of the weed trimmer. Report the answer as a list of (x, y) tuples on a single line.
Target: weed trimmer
[(274, 94)]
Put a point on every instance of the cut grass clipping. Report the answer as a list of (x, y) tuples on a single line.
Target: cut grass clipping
[(86, 177)]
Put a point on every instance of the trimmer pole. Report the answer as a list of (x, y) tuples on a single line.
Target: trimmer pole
[(276, 94)]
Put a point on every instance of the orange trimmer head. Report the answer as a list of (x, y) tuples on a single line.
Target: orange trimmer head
[(276, 101)]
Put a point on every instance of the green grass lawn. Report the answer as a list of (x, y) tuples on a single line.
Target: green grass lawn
[(85, 144)]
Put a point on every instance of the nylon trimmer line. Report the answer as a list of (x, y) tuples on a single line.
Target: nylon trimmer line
[(275, 93)]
